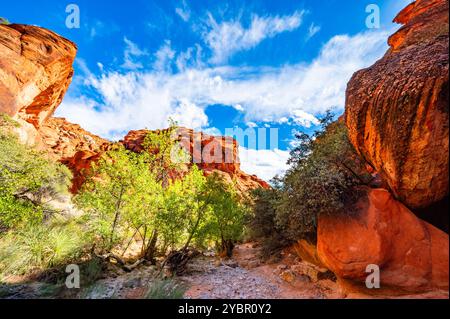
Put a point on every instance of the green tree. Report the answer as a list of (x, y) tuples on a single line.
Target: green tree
[(166, 156), (186, 206), (28, 179), (322, 180), (118, 196), (167, 162), (263, 225), (228, 214)]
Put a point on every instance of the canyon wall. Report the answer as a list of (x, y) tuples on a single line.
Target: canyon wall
[(397, 117), (397, 109)]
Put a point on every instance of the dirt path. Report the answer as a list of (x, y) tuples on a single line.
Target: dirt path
[(245, 277), (242, 277)]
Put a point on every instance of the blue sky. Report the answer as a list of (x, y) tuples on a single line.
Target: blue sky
[(213, 65)]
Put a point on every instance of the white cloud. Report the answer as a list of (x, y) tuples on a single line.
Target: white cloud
[(132, 52), (263, 163), (304, 119), (184, 12), (164, 57), (312, 30), (238, 107), (229, 37), (139, 99), (190, 115)]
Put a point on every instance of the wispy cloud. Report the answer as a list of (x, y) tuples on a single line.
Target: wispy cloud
[(312, 31), (228, 37), (131, 55), (183, 11), (138, 99), (164, 57)]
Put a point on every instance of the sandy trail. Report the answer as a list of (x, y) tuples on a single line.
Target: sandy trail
[(245, 277)]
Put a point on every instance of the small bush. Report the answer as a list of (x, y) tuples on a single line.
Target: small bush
[(28, 179), (4, 21), (262, 224), (324, 175), (166, 289), (325, 172), (39, 247)]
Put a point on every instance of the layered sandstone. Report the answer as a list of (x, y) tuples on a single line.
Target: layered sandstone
[(73, 146), (35, 71), (413, 256), (212, 154), (397, 109)]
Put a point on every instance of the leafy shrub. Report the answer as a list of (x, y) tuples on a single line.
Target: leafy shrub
[(111, 193), (263, 225), (4, 21), (28, 179), (38, 247), (322, 180), (225, 223)]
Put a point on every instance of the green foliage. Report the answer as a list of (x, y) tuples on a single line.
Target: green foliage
[(166, 289), (185, 209), (163, 204), (120, 195), (39, 247), (32, 238), (263, 225), (166, 156), (4, 21), (322, 180), (28, 179), (228, 212), (325, 171)]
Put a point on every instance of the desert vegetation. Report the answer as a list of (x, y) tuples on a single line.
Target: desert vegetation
[(136, 207), (323, 178)]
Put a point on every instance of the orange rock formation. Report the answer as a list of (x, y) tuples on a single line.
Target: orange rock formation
[(397, 109)]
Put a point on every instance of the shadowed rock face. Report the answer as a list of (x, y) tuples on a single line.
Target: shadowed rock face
[(412, 255), (397, 116), (397, 109)]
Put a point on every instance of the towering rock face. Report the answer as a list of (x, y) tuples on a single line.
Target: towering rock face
[(212, 154), (73, 146), (397, 109), (35, 71), (397, 116)]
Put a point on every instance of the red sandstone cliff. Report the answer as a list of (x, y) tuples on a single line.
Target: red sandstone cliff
[(397, 116), (210, 153), (397, 109)]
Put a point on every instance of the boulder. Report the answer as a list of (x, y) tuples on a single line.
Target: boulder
[(413, 256), (397, 109)]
